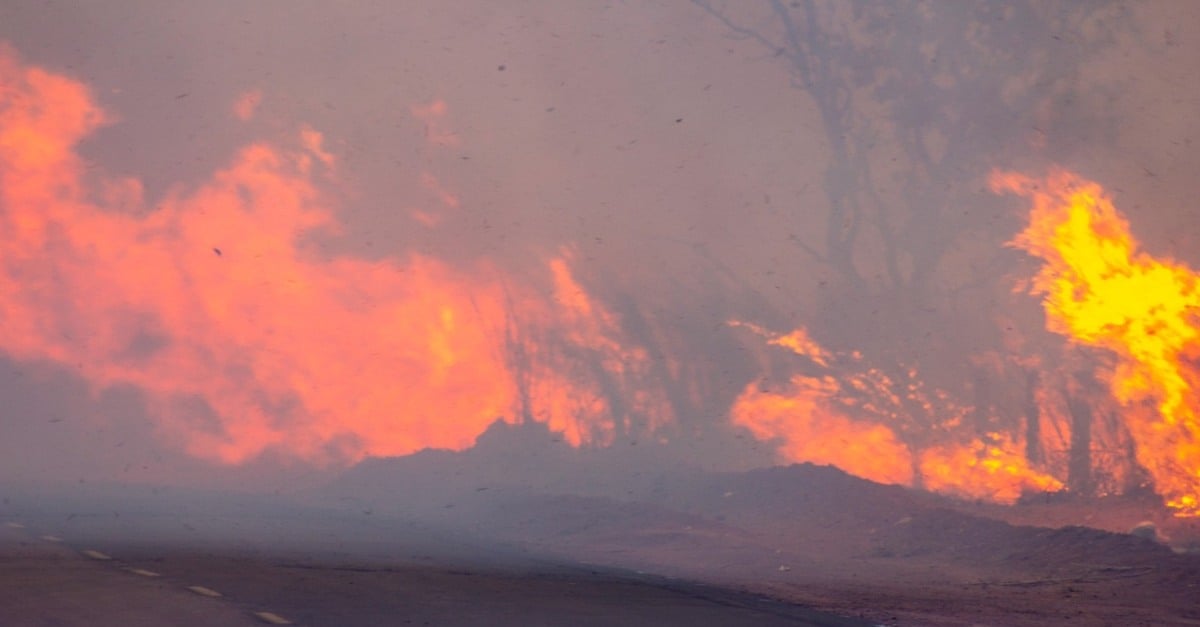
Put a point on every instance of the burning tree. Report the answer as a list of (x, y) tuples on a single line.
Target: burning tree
[(1144, 313), (915, 99)]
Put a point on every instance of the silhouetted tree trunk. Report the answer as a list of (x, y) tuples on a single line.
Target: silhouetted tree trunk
[(1079, 461), (1033, 419)]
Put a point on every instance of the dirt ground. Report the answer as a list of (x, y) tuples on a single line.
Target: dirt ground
[(815, 536)]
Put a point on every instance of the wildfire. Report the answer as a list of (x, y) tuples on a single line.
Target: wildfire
[(811, 430), (859, 419), (987, 468), (1102, 292), (244, 338)]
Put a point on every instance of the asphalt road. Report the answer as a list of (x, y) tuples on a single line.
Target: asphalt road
[(49, 578)]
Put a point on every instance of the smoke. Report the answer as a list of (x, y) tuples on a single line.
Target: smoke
[(669, 165)]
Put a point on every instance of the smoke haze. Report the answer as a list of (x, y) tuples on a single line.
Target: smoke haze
[(672, 165)]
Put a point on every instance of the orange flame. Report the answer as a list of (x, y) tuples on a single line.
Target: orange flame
[(244, 339), (856, 418), (1101, 291), (987, 468), (810, 430)]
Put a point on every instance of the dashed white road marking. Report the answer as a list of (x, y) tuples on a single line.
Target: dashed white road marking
[(272, 618), (202, 591), (14, 525)]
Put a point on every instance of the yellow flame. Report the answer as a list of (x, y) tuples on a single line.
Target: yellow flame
[(1101, 291)]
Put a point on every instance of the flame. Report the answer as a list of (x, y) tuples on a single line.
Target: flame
[(810, 430), (871, 425), (244, 338), (1101, 291), (988, 468)]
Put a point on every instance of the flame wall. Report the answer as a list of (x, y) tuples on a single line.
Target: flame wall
[(244, 337)]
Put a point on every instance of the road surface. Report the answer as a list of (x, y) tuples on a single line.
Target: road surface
[(49, 578)]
